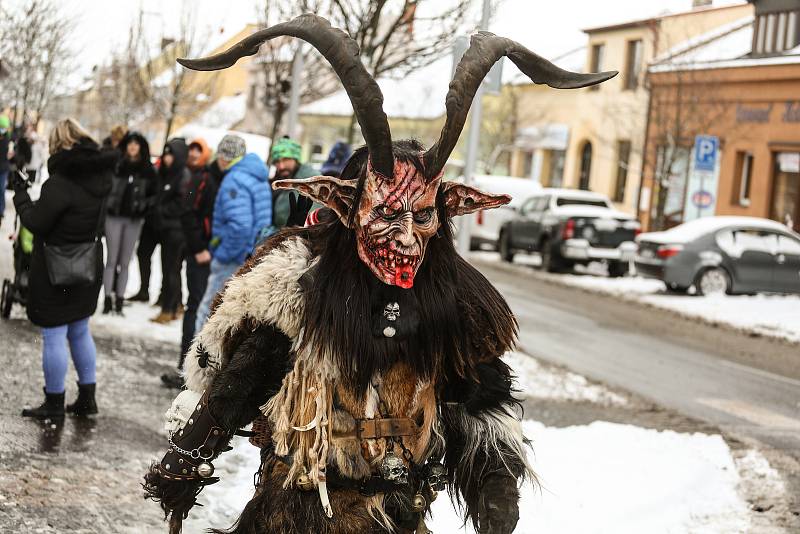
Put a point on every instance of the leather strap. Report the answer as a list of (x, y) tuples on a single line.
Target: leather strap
[(385, 428)]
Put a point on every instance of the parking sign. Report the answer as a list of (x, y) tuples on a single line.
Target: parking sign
[(706, 150)]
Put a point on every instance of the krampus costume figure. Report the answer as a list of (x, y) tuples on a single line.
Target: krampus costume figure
[(364, 350)]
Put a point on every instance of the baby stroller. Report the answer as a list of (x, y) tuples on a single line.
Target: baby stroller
[(16, 290)]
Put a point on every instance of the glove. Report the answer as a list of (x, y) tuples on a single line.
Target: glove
[(298, 209), (19, 182), (498, 508)]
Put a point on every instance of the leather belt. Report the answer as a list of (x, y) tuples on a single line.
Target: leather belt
[(385, 428)]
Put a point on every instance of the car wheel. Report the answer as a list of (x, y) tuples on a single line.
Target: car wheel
[(5, 300), (551, 261), (713, 281), (504, 247), (618, 269)]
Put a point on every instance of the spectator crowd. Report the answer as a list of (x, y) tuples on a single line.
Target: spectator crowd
[(205, 209)]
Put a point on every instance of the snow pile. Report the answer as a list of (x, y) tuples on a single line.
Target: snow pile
[(543, 382), (606, 477)]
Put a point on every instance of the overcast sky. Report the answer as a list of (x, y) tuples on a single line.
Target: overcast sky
[(549, 27)]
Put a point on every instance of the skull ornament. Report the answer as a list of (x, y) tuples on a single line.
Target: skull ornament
[(436, 476), (391, 311), (393, 469)]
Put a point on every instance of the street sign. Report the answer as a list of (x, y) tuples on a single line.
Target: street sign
[(706, 151), (493, 82)]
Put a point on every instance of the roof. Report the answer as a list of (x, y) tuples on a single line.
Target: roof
[(692, 230), (728, 46), (657, 18), (573, 193)]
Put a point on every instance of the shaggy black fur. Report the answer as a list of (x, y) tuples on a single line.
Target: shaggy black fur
[(462, 319), (253, 375)]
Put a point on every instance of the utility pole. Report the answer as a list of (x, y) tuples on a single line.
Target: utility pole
[(473, 143), (294, 96)]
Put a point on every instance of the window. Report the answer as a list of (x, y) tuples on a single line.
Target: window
[(566, 201), (743, 177), (786, 189), (788, 245), (776, 32), (586, 166), (633, 64), (557, 158), (623, 155), (598, 53)]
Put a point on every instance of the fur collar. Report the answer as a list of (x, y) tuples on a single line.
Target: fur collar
[(82, 160)]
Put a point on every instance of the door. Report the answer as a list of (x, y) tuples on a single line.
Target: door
[(586, 166), (752, 257), (524, 233), (786, 277)]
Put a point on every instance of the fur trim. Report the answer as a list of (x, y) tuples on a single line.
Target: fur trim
[(267, 293), (182, 408)]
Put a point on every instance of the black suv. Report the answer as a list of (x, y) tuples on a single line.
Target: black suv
[(568, 227)]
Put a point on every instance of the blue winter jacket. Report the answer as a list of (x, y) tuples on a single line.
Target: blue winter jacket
[(242, 209)]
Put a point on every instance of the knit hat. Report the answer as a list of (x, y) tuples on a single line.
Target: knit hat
[(285, 148), (337, 158), (231, 147)]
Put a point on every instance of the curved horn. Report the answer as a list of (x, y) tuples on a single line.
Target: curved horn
[(486, 49), (342, 53)]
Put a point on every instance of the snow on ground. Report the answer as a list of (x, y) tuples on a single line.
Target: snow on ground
[(764, 314), (537, 381)]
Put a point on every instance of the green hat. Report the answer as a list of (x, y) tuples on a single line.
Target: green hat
[(285, 148), (4, 122)]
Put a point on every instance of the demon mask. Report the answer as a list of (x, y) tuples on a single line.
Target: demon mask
[(397, 213)]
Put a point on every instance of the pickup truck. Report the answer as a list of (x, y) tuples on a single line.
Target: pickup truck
[(568, 227)]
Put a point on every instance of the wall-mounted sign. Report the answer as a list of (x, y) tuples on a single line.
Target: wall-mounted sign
[(748, 114), (792, 112)]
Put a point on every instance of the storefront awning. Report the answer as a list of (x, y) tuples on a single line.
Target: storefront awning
[(545, 136)]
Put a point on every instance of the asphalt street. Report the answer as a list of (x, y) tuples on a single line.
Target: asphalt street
[(748, 386)]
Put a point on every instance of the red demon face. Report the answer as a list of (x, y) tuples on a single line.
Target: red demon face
[(396, 216)]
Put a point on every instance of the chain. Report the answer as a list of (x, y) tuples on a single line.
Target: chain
[(194, 453)]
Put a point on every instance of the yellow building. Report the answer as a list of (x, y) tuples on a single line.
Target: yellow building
[(593, 138)]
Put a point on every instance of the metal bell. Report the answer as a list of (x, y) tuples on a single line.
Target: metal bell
[(304, 481), (205, 469), (419, 503)]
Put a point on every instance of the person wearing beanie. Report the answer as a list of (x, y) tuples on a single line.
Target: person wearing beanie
[(337, 158), (285, 157), (242, 210)]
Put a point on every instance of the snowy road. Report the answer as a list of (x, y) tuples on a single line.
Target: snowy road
[(749, 386)]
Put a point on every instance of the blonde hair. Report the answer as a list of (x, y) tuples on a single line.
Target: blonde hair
[(66, 134)]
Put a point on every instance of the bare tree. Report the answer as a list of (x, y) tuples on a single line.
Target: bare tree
[(35, 51), (394, 37)]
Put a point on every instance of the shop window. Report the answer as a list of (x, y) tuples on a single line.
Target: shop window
[(742, 179), (556, 177), (586, 166), (786, 189), (776, 32), (598, 54), (633, 64), (623, 156)]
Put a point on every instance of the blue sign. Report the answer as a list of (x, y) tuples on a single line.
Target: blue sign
[(706, 151)]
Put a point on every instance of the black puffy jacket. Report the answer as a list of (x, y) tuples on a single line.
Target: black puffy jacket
[(134, 187), (68, 211), (173, 184)]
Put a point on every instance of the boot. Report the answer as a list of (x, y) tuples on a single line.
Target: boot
[(108, 304), (163, 317), (118, 305), (51, 408), (85, 403), (172, 379), (141, 296)]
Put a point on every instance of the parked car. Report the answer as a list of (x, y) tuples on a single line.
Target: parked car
[(485, 227), (569, 227), (723, 255)]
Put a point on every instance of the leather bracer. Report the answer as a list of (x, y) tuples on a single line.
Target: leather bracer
[(200, 441)]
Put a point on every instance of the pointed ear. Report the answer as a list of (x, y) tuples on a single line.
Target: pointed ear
[(460, 199), (333, 193)]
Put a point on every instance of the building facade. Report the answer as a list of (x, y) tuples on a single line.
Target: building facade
[(741, 86)]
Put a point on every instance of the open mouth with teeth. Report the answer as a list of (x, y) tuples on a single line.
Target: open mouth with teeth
[(397, 268)]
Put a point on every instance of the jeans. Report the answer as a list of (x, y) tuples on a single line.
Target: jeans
[(3, 180), (196, 281), (121, 236), (220, 272), (54, 354)]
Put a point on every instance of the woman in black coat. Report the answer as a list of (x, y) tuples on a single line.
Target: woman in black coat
[(69, 211)]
